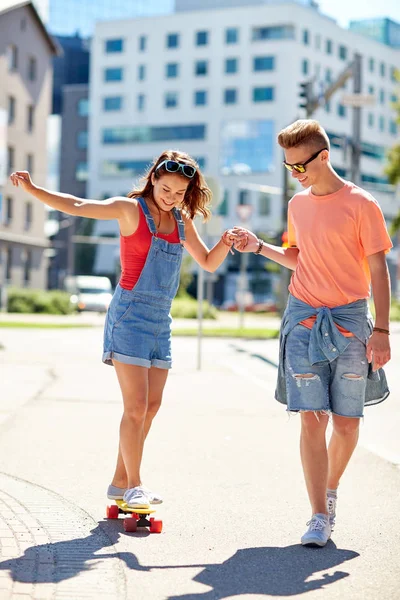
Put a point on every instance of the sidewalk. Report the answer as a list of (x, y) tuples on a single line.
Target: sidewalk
[(224, 454)]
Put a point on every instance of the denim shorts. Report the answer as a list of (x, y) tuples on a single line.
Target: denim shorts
[(337, 387), (137, 330)]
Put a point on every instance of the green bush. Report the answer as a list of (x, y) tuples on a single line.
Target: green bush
[(52, 302), (186, 308)]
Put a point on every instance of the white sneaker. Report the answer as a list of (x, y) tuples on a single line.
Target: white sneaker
[(319, 531), (152, 496), (137, 498)]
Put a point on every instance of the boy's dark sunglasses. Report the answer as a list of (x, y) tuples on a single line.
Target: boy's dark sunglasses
[(173, 167), (301, 167)]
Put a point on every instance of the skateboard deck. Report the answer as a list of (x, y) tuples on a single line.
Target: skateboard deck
[(134, 517)]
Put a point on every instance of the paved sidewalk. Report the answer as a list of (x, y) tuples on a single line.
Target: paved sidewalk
[(224, 454)]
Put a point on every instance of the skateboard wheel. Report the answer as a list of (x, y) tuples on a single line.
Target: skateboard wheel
[(156, 526), (112, 512), (130, 525)]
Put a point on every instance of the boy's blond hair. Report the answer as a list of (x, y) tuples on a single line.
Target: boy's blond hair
[(304, 132)]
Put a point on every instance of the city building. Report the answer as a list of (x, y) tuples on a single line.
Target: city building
[(73, 178), (68, 17), (220, 84), (385, 31), (26, 52)]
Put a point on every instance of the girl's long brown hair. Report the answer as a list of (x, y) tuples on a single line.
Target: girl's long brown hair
[(198, 195)]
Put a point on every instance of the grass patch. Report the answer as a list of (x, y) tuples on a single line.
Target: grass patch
[(33, 325), (230, 332)]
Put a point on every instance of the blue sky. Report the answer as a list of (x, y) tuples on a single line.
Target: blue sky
[(344, 11)]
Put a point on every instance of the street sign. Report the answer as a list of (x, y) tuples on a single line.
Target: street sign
[(358, 100)]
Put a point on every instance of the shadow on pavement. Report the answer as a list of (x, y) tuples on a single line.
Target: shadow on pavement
[(58, 561), (270, 571)]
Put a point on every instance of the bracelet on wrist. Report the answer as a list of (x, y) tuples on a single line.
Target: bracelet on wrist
[(381, 330), (260, 246)]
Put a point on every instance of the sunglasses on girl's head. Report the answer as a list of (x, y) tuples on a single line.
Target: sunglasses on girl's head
[(301, 167), (174, 167)]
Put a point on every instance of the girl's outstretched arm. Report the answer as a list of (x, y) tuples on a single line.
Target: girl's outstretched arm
[(209, 260), (113, 208)]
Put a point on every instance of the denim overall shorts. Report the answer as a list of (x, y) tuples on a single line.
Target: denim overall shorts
[(137, 329)]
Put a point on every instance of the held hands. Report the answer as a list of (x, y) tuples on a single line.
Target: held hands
[(236, 237), (23, 179), (378, 350), (247, 242)]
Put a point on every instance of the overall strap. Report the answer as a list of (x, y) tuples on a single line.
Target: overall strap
[(149, 219), (181, 225)]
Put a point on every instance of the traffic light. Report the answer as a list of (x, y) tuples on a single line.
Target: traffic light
[(305, 95)]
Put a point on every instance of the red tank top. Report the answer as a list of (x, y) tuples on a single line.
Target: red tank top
[(134, 249)]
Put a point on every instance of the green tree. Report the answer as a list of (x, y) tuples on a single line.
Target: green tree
[(392, 169)]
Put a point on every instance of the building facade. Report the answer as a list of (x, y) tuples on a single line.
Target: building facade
[(26, 52), (220, 84)]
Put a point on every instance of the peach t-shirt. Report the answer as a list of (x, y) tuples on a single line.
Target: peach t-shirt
[(334, 234)]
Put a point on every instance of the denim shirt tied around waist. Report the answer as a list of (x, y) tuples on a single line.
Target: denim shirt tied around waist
[(327, 343)]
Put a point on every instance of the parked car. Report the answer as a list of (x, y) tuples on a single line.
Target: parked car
[(89, 292)]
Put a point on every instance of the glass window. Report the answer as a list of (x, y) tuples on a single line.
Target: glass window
[(29, 163), (382, 96), (201, 38), (341, 110), (171, 99), (274, 32), (327, 106), (141, 102), (141, 72), (32, 69), (9, 263), (30, 118), (9, 210), (81, 171), (11, 109), (263, 94), (230, 96), (304, 66), (201, 67), (200, 97), (27, 265), (371, 120), (371, 90), (231, 35), (264, 204), (10, 159), (263, 63), (393, 127), (142, 43), (173, 40), (248, 146), (328, 76), (28, 215), (112, 103), (329, 46), (244, 197), (144, 135), (223, 208), (12, 55), (82, 140), (306, 37), (171, 70), (382, 69), (124, 168), (83, 107), (231, 65), (393, 72), (113, 74), (116, 45), (342, 52), (371, 64), (382, 123)]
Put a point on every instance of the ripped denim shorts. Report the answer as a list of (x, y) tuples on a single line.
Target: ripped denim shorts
[(337, 387)]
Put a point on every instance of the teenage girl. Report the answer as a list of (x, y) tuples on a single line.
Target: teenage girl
[(156, 224)]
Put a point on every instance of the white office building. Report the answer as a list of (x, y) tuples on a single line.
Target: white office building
[(220, 84)]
